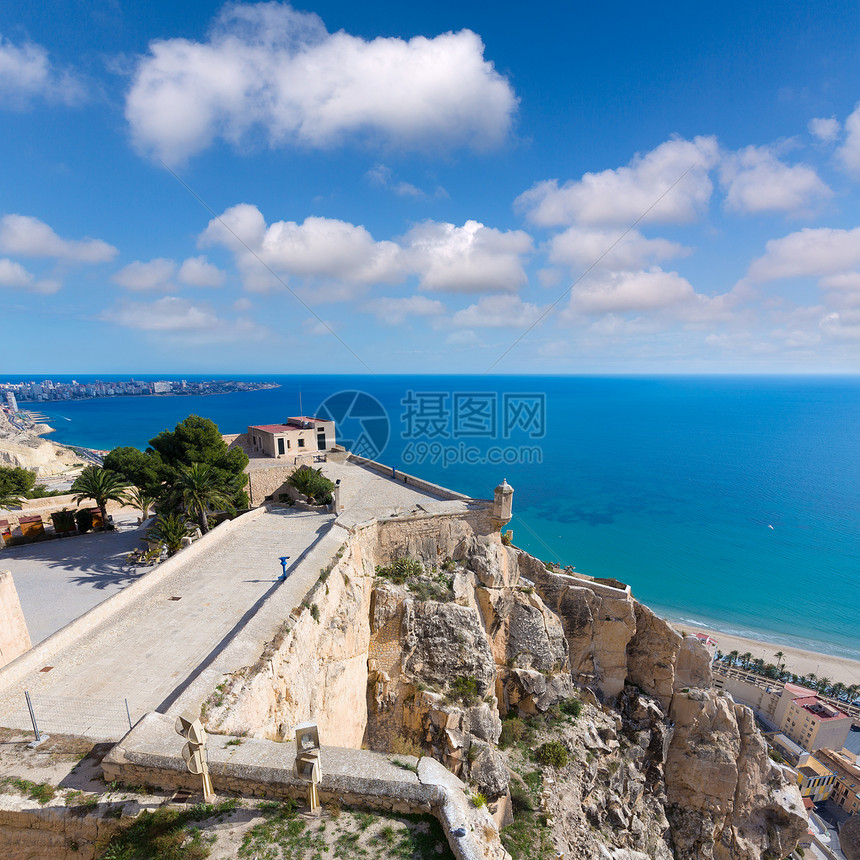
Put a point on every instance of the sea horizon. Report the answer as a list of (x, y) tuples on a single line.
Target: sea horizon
[(725, 501)]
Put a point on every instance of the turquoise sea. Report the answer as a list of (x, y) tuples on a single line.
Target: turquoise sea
[(732, 502)]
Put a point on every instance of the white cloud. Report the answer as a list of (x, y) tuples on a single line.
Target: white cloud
[(243, 304), (824, 129), (622, 195), (757, 181), (383, 176), (445, 257), (317, 248), (849, 152), (468, 259), (25, 236), (501, 311), (270, 69), (579, 248), (394, 311), (199, 272), (849, 281), (462, 338), (842, 325), (172, 315), (622, 292), (810, 252), (142, 277), (26, 73), (13, 274)]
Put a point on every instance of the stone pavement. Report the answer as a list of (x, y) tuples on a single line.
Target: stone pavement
[(152, 651), (59, 580)]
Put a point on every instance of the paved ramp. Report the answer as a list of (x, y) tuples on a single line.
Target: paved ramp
[(147, 652)]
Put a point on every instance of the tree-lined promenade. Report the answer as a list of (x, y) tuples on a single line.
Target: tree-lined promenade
[(836, 690)]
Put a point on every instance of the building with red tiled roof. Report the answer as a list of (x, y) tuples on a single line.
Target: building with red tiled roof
[(810, 721), (299, 435)]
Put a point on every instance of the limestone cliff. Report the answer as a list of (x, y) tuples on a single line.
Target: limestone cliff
[(431, 660), (26, 449)]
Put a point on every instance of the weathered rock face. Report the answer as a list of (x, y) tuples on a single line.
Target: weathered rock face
[(443, 642), (725, 798), (657, 759)]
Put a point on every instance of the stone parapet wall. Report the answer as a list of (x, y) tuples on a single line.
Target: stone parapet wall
[(55, 832), (149, 755)]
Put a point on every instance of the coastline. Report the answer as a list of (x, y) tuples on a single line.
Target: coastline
[(797, 660)]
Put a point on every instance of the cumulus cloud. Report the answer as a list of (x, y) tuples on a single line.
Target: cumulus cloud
[(823, 129), (175, 315), (394, 311), (316, 248), (26, 73), (579, 248), (756, 180), (500, 311), (841, 325), (271, 70), (849, 152), (468, 259), (444, 257), (620, 196), (811, 252), (199, 272), (13, 274), (142, 277), (622, 292), (25, 236)]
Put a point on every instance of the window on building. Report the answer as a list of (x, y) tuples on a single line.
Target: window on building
[(280, 446), (301, 443)]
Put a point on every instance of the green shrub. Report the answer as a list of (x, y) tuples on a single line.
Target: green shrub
[(521, 798), (479, 799), (315, 613), (425, 590), (553, 753), (400, 570), (572, 707), (512, 732), (465, 690)]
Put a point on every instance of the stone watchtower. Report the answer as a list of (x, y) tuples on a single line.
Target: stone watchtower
[(502, 505)]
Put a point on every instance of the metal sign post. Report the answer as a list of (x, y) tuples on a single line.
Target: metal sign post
[(39, 737)]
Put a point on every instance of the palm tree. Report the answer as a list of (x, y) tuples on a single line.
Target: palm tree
[(139, 498), (733, 656), (8, 499), (823, 684), (100, 485), (745, 659), (169, 529), (780, 660), (198, 489)]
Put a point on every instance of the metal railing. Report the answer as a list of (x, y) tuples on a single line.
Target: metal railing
[(102, 720)]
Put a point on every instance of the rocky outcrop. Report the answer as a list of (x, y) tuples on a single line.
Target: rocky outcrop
[(27, 450), (429, 664), (725, 798)]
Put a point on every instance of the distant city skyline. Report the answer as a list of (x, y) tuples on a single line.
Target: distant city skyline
[(342, 188)]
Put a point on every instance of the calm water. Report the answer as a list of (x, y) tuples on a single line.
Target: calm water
[(670, 484)]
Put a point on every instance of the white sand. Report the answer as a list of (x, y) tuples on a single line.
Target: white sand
[(797, 660)]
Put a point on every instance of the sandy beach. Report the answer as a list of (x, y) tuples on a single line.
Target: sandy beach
[(796, 659)]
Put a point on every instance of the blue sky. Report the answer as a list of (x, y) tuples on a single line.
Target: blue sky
[(339, 187)]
